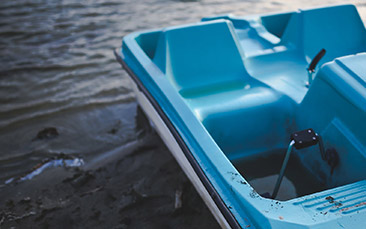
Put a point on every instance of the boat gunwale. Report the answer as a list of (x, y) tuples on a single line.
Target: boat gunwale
[(214, 195)]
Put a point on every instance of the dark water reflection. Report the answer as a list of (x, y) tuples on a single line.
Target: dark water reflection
[(58, 69)]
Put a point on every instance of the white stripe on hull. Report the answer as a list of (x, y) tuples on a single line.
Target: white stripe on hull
[(177, 152)]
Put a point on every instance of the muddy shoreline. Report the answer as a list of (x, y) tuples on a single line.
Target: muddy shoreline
[(142, 187)]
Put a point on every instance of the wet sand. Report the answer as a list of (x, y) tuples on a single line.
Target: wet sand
[(142, 187)]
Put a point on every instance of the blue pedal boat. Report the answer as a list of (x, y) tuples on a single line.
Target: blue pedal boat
[(266, 114)]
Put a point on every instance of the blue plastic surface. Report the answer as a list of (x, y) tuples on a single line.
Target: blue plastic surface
[(235, 88)]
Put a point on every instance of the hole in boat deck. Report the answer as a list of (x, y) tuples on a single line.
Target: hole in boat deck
[(262, 172)]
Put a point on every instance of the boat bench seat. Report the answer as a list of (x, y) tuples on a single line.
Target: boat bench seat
[(335, 106), (340, 84), (204, 62), (252, 34), (338, 29), (202, 57), (249, 119)]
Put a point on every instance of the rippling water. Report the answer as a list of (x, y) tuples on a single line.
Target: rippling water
[(58, 70)]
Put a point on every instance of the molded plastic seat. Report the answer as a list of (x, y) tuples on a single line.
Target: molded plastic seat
[(201, 57), (337, 29), (335, 106), (247, 121), (205, 63)]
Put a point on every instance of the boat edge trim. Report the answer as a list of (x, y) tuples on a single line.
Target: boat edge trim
[(174, 132)]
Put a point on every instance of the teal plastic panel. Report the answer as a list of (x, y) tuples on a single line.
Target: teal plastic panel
[(201, 56)]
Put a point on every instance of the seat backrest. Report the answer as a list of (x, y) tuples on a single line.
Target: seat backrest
[(338, 29), (201, 55)]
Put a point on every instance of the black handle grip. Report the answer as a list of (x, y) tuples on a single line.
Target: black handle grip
[(316, 60)]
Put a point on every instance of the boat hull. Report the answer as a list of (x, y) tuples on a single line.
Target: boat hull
[(225, 94), (172, 139), (178, 154)]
